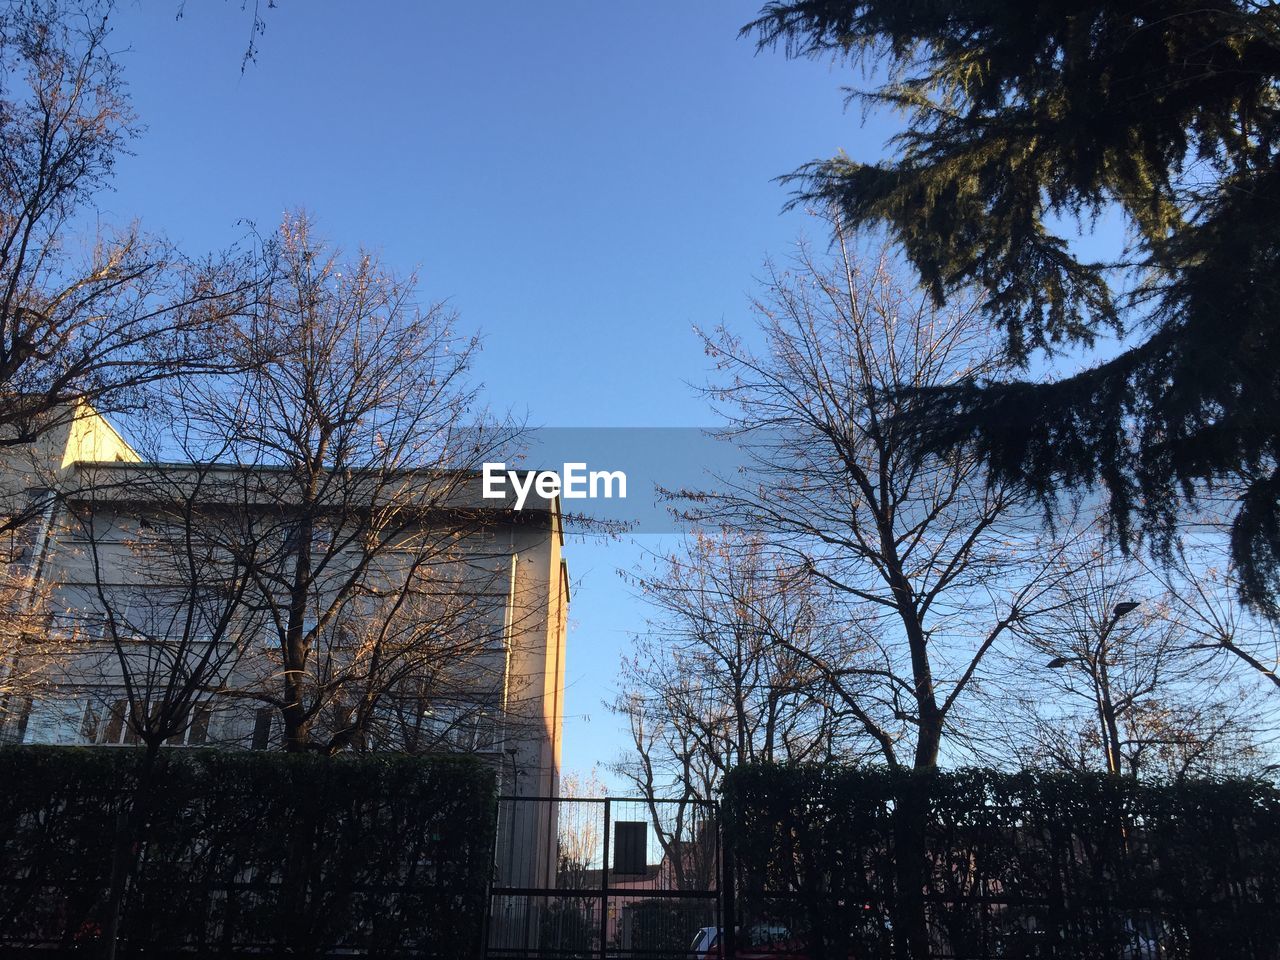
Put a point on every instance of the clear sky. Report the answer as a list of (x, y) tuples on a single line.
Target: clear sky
[(583, 181)]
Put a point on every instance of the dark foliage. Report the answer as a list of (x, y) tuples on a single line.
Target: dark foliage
[(248, 853), (1027, 117), (1026, 864), (567, 923)]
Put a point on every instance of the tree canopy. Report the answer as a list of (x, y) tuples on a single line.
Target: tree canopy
[(1027, 121)]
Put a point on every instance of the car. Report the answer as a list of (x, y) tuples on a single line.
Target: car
[(762, 940), (1146, 934), (1141, 940), (704, 942)]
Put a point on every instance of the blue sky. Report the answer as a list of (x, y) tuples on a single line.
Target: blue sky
[(583, 182)]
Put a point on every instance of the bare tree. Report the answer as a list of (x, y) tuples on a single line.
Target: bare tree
[(579, 829), (382, 616), (90, 316), (257, 10), (313, 553), (1112, 679), (726, 673), (28, 651), (151, 611), (86, 313), (933, 565), (1204, 597), (715, 680), (151, 584)]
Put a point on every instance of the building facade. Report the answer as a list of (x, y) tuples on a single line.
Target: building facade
[(159, 587)]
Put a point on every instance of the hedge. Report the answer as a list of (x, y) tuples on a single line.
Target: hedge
[(976, 863), (247, 853)]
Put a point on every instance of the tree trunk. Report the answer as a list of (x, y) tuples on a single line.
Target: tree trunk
[(911, 927), (297, 736), (929, 738), (296, 723), (130, 833), (911, 810)]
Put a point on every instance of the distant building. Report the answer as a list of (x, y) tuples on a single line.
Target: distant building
[(507, 706)]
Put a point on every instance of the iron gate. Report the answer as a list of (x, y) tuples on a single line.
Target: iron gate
[(606, 877)]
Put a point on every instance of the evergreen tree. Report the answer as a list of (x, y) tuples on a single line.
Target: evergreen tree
[(1027, 119)]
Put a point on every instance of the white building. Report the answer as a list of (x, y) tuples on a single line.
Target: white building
[(493, 686)]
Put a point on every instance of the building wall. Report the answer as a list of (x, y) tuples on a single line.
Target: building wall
[(520, 677)]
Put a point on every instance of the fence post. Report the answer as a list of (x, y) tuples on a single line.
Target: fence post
[(604, 888), (728, 892), (483, 947)]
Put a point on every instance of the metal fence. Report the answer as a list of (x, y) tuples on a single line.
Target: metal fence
[(603, 878)]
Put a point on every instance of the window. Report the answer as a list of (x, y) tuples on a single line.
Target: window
[(272, 636), (262, 724), (53, 722), (117, 729), (13, 717), (114, 728), (459, 726), (196, 733), (89, 725), (23, 534)]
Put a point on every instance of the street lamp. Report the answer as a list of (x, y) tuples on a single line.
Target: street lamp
[(1102, 683)]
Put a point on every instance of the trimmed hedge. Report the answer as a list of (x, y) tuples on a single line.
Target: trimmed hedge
[(1028, 864), (248, 852)]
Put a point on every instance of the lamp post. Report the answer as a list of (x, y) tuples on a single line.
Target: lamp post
[(1097, 667)]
